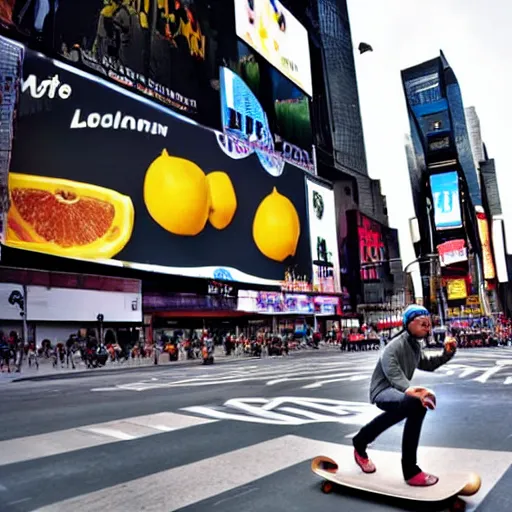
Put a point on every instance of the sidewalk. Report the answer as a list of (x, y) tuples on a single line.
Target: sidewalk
[(46, 370)]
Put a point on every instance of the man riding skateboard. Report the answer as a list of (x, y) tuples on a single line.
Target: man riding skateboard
[(391, 391)]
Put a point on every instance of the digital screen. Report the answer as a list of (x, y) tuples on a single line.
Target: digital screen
[(445, 194), (133, 176), (372, 249), (277, 35), (323, 238), (485, 239)]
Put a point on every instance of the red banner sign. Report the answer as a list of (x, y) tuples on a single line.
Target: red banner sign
[(453, 251)]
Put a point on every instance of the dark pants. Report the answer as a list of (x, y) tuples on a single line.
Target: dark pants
[(397, 406)]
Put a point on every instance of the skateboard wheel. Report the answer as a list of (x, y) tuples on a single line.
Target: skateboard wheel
[(327, 487)]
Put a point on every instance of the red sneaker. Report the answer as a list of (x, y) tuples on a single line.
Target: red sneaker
[(365, 464), (423, 480)]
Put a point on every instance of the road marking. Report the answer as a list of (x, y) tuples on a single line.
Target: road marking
[(240, 494), (316, 371), (234, 470), (88, 436), (217, 475), (488, 373), (354, 378), (17, 502), (299, 411), (111, 432)]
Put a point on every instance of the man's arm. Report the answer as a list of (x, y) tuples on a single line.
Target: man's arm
[(432, 363), (392, 369)]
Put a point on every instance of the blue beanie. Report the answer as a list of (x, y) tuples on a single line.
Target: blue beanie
[(414, 311)]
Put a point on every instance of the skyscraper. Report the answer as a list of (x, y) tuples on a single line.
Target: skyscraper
[(475, 135), (443, 163), (338, 90)]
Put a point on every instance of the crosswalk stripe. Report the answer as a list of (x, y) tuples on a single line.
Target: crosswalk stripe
[(111, 432), (64, 441), (216, 475), (228, 471)]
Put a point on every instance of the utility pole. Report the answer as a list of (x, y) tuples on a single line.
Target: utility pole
[(100, 319), (20, 300)]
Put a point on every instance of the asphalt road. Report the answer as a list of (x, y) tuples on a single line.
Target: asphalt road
[(241, 435)]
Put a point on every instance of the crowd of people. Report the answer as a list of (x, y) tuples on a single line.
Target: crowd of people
[(192, 344)]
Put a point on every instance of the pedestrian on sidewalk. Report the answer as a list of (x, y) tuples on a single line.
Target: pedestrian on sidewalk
[(391, 391)]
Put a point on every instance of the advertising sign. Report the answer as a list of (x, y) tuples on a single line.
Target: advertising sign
[(445, 193), (500, 254), (162, 49), (453, 251), (324, 241), (100, 174), (485, 240), (6, 8), (286, 303), (473, 300), (278, 36), (464, 312), (244, 118), (456, 289), (372, 249)]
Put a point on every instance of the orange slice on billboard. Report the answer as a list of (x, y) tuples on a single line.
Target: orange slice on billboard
[(67, 218)]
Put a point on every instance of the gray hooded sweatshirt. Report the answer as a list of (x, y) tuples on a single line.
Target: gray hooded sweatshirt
[(399, 360)]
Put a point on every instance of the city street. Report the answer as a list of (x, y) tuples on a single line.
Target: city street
[(241, 436)]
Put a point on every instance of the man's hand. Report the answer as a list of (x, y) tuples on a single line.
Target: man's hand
[(426, 396), (450, 344)]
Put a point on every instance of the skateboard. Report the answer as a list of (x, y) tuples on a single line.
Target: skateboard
[(387, 483)]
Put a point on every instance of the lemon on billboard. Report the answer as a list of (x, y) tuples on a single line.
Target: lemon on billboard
[(456, 289), (277, 35)]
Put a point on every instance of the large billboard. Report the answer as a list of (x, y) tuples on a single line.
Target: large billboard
[(264, 110), (452, 251), (485, 240), (273, 303), (373, 252), (445, 194), (163, 49), (98, 173), (277, 35), (456, 289), (6, 8), (323, 238)]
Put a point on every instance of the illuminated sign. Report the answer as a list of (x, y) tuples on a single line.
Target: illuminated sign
[(445, 193), (453, 251), (456, 289), (498, 244), (323, 238), (372, 249), (473, 300), (277, 35), (464, 312), (485, 239), (244, 119), (286, 303)]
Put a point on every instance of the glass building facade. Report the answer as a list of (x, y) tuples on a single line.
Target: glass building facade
[(438, 123)]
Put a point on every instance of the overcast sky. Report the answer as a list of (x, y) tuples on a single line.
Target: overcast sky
[(476, 38)]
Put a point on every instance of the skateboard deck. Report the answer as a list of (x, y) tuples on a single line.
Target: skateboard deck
[(390, 482)]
